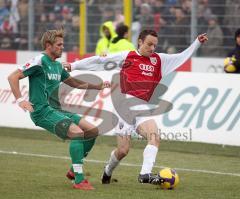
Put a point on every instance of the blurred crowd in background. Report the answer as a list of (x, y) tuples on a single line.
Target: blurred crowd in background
[(170, 18)]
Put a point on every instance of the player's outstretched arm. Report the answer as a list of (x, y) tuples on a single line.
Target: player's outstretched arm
[(91, 63), (97, 63), (170, 62), (75, 83), (13, 80)]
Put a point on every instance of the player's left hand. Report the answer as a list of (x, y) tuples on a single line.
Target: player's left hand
[(67, 66), (203, 38)]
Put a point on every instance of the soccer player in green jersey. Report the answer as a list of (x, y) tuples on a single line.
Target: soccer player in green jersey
[(45, 75)]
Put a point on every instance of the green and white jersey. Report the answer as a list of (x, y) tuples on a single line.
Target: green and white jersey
[(45, 76)]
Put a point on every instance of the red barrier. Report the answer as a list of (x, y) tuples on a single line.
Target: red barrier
[(8, 56), (187, 66)]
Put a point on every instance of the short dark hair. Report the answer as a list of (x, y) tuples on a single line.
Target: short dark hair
[(121, 30), (145, 33)]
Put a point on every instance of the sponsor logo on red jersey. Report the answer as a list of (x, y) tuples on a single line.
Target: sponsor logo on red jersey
[(147, 70), (146, 67)]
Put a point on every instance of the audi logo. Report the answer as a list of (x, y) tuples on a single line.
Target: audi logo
[(145, 67)]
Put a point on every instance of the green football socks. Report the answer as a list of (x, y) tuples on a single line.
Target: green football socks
[(79, 149), (87, 145), (77, 153)]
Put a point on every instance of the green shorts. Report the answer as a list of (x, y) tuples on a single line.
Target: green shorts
[(57, 121)]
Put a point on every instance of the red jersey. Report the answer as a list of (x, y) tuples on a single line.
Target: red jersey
[(140, 75)]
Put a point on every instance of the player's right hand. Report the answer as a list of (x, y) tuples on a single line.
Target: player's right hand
[(67, 66), (26, 105), (103, 85), (106, 84)]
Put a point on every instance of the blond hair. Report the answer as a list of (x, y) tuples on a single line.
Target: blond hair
[(50, 37)]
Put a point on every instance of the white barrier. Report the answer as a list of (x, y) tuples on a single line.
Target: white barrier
[(11, 114), (207, 65), (208, 104), (205, 106)]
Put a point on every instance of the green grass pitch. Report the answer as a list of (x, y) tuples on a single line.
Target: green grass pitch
[(33, 164)]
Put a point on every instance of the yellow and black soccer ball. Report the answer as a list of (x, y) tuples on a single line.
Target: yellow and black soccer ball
[(229, 66), (170, 178)]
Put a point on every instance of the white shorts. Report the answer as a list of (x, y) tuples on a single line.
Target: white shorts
[(125, 128)]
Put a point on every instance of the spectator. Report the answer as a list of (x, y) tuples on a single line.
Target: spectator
[(119, 18), (159, 7), (73, 38), (218, 8), (145, 20), (178, 31), (23, 24), (232, 16), (6, 42), (50, 20), (23, 13), (171, 2), (108, 13), (53, 5), (203, 14), (120, 42), (233, 60), (6, 26), (146, 17), (159, 10), (136, 26), (4, 12), (40, 28), (215, 35), (94, 19), (14, 17), (136, 10), (161, 14), (231, 19), (107, 33), (186, 7)]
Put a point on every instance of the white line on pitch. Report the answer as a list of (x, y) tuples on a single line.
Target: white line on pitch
[(123, 164)]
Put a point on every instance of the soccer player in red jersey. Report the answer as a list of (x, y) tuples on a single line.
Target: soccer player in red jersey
[(140, 73)]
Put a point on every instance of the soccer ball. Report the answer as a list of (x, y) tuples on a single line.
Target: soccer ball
[(229, 64), (170, 177)]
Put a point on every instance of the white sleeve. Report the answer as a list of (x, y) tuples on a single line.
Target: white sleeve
[(36, 61), (170, 62), (98, 63), (90, 63)]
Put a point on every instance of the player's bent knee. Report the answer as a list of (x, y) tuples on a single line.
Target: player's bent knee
[(90, 130), (75, 131), (92, 133)]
